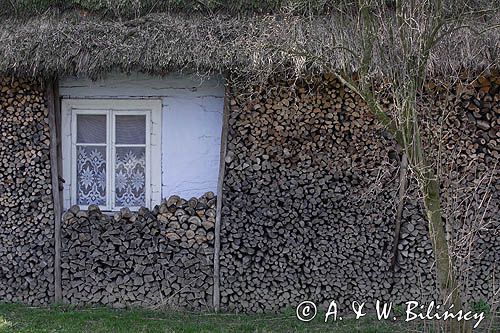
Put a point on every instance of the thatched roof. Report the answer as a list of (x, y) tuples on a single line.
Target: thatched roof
[(78, 43), (136, 8)]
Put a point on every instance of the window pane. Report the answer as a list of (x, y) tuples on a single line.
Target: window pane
[(130, 176), (91, 128), (91, 175), (131, 129)]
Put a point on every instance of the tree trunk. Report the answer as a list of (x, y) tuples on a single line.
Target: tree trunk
[(407, 134), (429, 187), (444, 266)]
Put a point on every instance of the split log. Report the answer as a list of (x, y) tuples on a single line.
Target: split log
[(149, 258), (26, 205), (310, 196)]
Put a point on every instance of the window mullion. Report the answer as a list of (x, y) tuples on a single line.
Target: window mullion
[(74, 157), (147, 185), (110, 150)]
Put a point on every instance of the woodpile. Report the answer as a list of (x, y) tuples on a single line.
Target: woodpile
[(310, 195), (26, 208), (470, 175), (311, 190), (159, 257)]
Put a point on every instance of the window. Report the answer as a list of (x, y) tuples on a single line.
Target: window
[(111, 153)]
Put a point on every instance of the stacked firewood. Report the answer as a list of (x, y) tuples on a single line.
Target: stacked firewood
[(309, 207), (159, 257), (310, 196), (26, 208), (468, 118)]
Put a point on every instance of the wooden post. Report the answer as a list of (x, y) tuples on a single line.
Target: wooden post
[(52, 101), (222, 167), (57, 108)]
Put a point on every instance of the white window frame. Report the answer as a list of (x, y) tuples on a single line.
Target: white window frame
[(152, 108)]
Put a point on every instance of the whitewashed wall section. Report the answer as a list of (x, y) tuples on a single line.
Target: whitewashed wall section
[(191, 129)]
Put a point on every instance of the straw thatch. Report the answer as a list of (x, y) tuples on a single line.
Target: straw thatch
[(136, 8), (77, 43)]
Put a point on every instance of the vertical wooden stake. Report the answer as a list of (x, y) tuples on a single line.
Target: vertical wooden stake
[(54, 167), (402, 191), (222, 167)]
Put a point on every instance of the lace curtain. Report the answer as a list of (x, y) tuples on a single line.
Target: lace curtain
[(127, 154)]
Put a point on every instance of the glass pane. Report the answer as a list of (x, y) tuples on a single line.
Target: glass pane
[(91, 128), (131, 129), (130, 176), (91, 175)]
